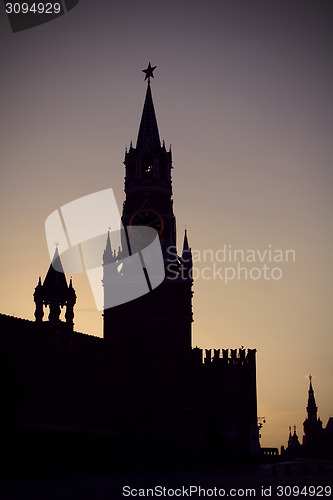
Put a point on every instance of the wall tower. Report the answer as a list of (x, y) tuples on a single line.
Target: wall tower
[(56, 294)]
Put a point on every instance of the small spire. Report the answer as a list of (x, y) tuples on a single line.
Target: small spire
[(311, 407), (186, 260), (108, 243), (185, 244), (38, 299), (108, 253), (71, 291)]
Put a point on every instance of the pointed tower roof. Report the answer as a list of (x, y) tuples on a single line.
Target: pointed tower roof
[(55, 276), (311, 407), (108, 255), (186, 253), (185, 244), (148, 136)]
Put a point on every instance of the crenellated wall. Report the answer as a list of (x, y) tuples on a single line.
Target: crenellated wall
[(230, 356)]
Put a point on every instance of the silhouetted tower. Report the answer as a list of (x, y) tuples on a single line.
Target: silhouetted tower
[(55, 293), (294, 446), (313, 426), (148, 184), (160, 320)]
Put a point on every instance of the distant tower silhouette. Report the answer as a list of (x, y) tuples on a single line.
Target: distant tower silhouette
[(294, 446), (313, 426), (55, 293), (290, 437)]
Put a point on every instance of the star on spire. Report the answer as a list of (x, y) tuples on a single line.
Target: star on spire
[(149, 72)]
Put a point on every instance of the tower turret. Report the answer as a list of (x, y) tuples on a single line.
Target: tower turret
[(55, 293), (108, 255), (55, 288)]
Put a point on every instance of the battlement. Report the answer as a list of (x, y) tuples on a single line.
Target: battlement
[(239, 356)]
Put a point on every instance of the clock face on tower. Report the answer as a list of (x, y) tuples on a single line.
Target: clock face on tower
[(146, 217)]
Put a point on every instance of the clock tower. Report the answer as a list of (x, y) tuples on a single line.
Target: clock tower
[(161, 319), (148, 184)]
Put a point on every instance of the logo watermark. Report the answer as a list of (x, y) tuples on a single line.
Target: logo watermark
[(121, 264), (228, 263), (26, 14), (124, 263)]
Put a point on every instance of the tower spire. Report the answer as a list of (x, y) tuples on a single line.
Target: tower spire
[(311, 407), (313, 426), (185, 244), (108, 255), (38, 298), (148, 136), (186, 260), (55, 277)]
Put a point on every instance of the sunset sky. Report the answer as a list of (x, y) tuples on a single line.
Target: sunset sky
[(243, 92)]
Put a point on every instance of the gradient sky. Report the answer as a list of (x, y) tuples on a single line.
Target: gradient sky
[(243, 92)]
